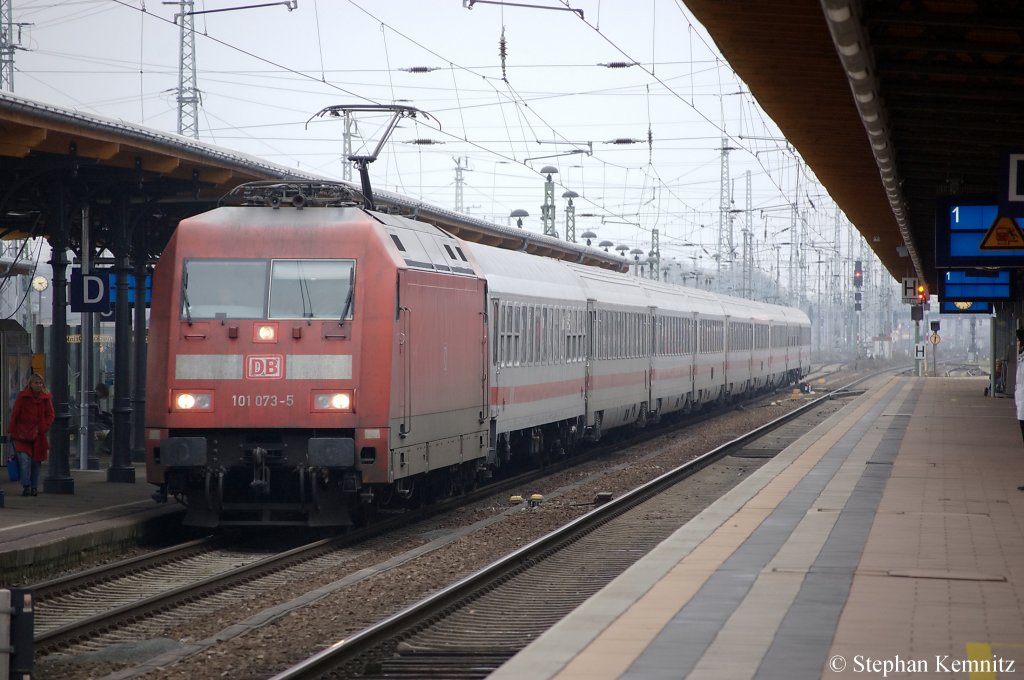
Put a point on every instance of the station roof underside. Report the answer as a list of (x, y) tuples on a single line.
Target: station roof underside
[(44, 149), (946, 76)]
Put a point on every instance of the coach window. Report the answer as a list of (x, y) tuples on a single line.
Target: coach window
[(517, 341), (634, 336), (630, 320), (618, 335), (549, 334), (572, 349), (312, 289), (575, 330), (546, 316), (560, 336), (607, 332), (576, 318), (225, 289), (531, 351), (612, 334), (545, 354), (570, 340), (604, 348), (527, 335), (507, 334), (576, 334), (631, 336)]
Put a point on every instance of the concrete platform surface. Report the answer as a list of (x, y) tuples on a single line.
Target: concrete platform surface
[(53, 530), (888, 542)]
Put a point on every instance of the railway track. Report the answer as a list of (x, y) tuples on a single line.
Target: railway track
[(147, 596), (89, 609), (472, 627), (97, 603)]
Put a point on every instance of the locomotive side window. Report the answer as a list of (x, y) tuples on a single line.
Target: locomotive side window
[(230, 289), (311, 289)]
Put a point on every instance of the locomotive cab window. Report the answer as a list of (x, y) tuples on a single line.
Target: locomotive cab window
[(311, 289), (224, 289), (238, 289)]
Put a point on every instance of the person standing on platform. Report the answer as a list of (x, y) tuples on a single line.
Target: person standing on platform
[(1018, 388), (31, 417)]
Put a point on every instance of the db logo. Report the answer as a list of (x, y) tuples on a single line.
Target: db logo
[(264, 367)]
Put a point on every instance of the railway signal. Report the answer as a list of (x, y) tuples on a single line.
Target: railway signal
[(858, 274)]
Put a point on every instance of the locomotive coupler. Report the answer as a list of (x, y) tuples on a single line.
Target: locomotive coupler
[(213, 483), (260, 472)]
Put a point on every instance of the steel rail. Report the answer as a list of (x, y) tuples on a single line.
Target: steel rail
[(362, 643)]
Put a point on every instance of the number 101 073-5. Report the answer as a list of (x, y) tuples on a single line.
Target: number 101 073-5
[(259, 400)]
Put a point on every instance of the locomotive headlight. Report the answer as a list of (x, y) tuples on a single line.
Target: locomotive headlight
[(191, 400), (264, 332), (332, 400)]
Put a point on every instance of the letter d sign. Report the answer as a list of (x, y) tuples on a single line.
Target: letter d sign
[(88, 293)]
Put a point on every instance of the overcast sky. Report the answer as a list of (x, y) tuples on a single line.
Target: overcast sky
[(264, 72)]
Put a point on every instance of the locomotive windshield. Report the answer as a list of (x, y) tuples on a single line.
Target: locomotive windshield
[(261, 289)]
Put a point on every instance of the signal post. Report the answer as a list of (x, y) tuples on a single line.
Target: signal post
[(915, 293)]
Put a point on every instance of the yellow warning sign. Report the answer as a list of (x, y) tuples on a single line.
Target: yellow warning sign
[(1004, 234)]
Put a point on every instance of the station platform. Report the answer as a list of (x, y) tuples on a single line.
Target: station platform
[(886, 543), (53, 531)]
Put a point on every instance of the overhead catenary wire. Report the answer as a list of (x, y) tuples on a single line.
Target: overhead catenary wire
[(674, 174), (292, 71)]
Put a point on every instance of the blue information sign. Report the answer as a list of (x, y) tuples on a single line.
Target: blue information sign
[(112, 282), (982, 286), (961, 224)]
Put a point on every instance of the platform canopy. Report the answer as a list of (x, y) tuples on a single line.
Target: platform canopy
[(54, 160), (892, 104)]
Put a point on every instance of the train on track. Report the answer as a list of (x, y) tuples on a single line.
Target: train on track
[(310, 360)]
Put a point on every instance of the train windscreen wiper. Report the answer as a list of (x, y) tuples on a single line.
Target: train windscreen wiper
[(348, 298), (184, 294)]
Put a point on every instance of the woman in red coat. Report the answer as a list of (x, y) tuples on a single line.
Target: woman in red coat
[(31, 417)]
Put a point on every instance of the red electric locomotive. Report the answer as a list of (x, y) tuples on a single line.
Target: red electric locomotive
[(306, 355)]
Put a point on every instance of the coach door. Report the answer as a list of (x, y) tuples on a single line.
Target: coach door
[(727, 355), (696, 391), (501, 347), (592, 344), (488, 357), (649, 341)]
